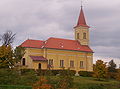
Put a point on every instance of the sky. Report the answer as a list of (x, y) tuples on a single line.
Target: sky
[(41, 19)]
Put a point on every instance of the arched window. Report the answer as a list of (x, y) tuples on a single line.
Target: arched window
[(39, 66), (84, 35), (23, 62), (77, 35)]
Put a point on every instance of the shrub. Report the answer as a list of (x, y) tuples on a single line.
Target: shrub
[(112, 75), (85, 73), (71, 72), (13, 77), (25, 71), (28, 78), (53, 72), (8, 76), (118, 75), (66, 80), (42, 84), (40, 72)]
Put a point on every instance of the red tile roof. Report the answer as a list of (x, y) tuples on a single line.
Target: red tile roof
[(38, 58), (66, 44), (81, 19), (32, 43), (57, 43)]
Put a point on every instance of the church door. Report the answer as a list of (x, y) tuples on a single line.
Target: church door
[(39, 66)]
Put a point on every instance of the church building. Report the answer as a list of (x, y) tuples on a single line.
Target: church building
[(56, 53)]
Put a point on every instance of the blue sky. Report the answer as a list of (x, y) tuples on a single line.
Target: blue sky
[(41, 19)]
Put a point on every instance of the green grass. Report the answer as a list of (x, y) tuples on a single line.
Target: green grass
[(87, 80), (14, 87), (79, 83), (92, 83)]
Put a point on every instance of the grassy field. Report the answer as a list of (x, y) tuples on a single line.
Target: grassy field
[(92, 83), (14, 87), (79, 83)]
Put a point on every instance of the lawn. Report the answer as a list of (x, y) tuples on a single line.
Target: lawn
[(79, 83), (92, 83), (14, 87)]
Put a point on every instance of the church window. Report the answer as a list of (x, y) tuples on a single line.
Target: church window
[(77, 35), (81, 64), (23, 62), (71, 63), (84, 35), (50, 62), (61, 63)]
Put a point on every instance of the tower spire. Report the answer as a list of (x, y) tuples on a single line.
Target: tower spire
[(82, 29), (81, 3), (81, 19)]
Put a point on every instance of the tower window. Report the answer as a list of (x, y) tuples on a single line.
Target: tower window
[(84, 35), (23, 62), (61, 63), (77, 35)]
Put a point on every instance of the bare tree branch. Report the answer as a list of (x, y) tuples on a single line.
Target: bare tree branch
[(7, 38)]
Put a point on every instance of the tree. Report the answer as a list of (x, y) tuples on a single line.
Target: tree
[(6, 56), (100, 70), (7, 38), (111, 66), (18, 53)]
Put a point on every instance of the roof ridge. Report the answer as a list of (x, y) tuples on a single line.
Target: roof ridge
[(34, 40), (61, 38)]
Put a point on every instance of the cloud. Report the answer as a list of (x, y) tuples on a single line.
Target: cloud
[(41, 19)]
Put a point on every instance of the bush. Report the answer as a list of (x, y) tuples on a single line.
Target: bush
[(53, 72), (85, 73), (66, 79), (8, 76), (70, 72), (28, 78), (13, 77), (25, 71), (40, 72), (112, 75)]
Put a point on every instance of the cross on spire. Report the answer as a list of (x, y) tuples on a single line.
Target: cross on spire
[(81, 19), (81, 3)]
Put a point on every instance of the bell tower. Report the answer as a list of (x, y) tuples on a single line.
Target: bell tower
[(82, 29)]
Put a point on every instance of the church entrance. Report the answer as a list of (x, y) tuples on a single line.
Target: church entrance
[(39, 66)]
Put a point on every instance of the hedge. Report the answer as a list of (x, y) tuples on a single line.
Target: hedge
[(85, 73), (54, 72)]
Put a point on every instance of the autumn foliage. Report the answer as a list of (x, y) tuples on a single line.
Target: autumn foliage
[(6, 56), (42, 84), (100, 70)]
